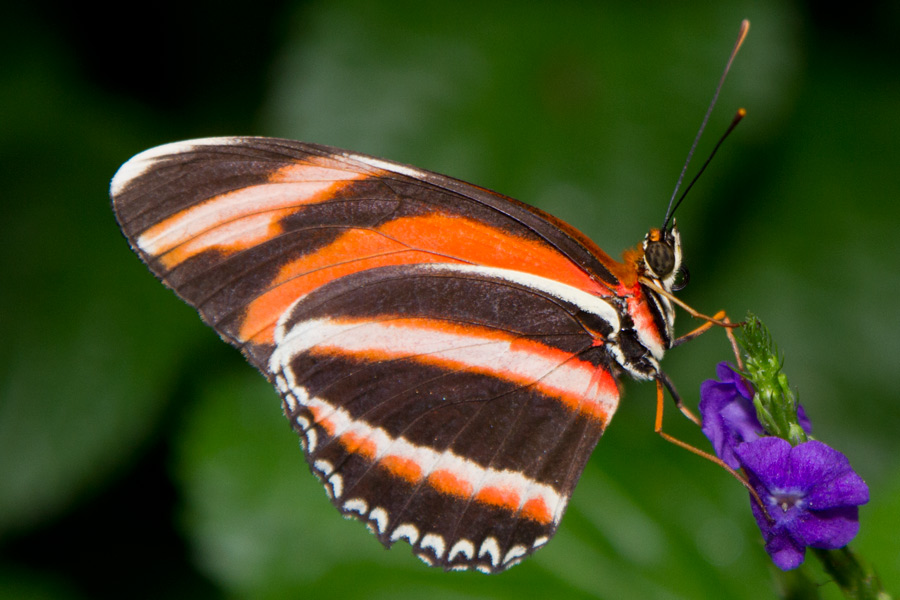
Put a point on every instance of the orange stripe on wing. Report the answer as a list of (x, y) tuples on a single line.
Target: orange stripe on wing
[(536, 510), (242, 218), (426, 239), (447, 482), (444, 471), (358, 444), (473, 242), (404, 468), (315, 168), (302, 276), (577, 384), (500, 497), (322, 421)]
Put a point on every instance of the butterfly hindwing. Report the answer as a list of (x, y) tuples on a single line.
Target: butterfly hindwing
[(441, 418), (438, 347)]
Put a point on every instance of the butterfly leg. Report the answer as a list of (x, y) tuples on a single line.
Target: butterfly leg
[(714, 320), (663, 382), (702, 329), (718, 318)]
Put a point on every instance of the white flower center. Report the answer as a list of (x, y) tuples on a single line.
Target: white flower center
[(788, 499)]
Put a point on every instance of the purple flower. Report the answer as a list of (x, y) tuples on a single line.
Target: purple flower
[(729, 417), (810, 492)]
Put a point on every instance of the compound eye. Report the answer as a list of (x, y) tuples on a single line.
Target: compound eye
[(660, 257), (682, 279)]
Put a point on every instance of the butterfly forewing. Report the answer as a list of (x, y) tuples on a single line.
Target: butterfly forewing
[(438, 347)]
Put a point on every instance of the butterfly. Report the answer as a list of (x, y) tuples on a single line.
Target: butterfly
[(449, 356)]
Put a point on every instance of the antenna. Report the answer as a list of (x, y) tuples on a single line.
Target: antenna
[(741, 113), (742, 34)]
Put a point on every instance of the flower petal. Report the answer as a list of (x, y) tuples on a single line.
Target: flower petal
[(727, 374), (803, 420), (827, 477), (768, 461), (814, 463), (724, 372), (715, 397), (729, 416), (786, 553), (740, 418), (828, 529), (846, 489)]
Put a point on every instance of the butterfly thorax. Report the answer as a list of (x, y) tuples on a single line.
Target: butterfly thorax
[(647, 314)]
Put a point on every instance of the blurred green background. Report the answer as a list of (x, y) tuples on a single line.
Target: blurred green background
[(141, 457)]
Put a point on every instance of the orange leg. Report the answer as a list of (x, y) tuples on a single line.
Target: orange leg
[(663, 381), (720, 318), (715, 320)]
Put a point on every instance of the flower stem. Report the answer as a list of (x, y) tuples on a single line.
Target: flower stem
[(856, 580)]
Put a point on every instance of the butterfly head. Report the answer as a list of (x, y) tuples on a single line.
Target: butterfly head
[(662, 257)]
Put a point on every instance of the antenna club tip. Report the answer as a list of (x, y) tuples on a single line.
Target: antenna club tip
[(742, 35), (742, 112)]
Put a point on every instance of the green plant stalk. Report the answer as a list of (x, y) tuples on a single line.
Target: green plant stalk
[(854, 578), (776, 407)]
